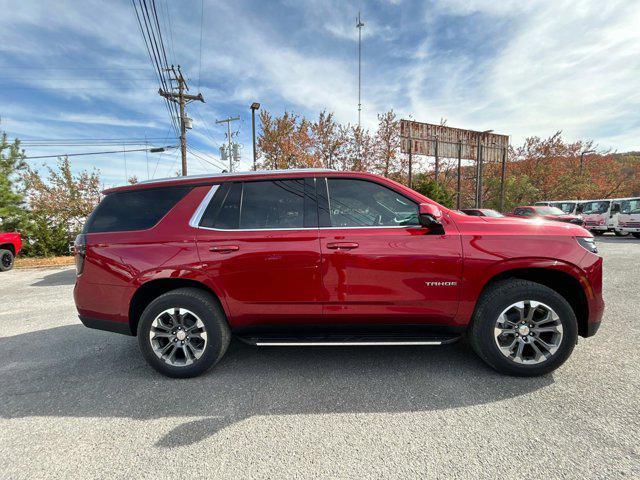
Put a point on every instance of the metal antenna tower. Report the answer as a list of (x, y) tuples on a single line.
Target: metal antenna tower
[(359, 25)]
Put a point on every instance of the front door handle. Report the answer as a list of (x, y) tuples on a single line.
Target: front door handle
[(224, 248), (342, 245)]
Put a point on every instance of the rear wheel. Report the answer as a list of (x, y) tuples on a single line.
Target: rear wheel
[(597, 233), (620, 234), (523, 328), (6, 260), (636, 234), (184, 332)]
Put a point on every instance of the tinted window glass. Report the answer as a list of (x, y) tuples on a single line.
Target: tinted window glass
[(274, 204), (229, 215), (359, 203), (133, 210)]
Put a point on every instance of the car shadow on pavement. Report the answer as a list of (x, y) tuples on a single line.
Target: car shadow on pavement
[(76, 372), (64, 277)]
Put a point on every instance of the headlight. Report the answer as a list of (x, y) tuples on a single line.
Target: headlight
[(588, 243)]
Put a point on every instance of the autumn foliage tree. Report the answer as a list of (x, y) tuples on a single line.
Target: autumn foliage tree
[(58, 206)]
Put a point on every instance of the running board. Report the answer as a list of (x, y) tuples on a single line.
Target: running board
[(347, 340)]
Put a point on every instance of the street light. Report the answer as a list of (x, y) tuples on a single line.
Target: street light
[(582, 159), (254, 106)]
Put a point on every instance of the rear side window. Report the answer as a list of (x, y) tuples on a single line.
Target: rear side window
[(262, 205), (134, 210)]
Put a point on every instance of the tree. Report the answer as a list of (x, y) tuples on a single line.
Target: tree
[(328, 138), (285, 142), (12, 166), (433, 190), (387, 139), (59, 206)]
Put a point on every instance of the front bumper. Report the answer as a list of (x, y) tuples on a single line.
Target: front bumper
[(592, 328)]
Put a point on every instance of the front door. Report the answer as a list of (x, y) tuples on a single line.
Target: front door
[(258, 242), (378, 264)]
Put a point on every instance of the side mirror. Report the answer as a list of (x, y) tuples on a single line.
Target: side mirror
[(430, 217)]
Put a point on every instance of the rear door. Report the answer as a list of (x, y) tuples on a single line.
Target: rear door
[(379, 266), (258, 242)]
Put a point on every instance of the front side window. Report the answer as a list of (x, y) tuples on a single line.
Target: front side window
[(360, 203), (630, 206)]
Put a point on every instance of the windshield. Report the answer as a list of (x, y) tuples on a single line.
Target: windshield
[(549, 211), (596, 207), (630, 206), (566, 207), (492, 213)]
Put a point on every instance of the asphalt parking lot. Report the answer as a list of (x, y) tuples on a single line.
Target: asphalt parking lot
[(81, 403)]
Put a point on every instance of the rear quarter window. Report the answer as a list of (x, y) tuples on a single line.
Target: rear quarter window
[(134, 209)]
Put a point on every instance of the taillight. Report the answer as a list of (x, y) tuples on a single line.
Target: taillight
[(79, 251)]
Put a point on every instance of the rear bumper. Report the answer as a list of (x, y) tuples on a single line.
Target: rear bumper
[(106, 325)]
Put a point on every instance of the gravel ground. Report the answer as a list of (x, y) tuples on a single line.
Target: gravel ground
[(79, 403)]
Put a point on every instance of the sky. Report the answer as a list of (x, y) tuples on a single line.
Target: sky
[(71, 70)]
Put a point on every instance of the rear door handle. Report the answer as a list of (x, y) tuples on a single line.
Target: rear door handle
[(342, 245), (224, 248)]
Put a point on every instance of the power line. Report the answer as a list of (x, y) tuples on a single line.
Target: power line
[(212, 161), (151, 44), (153, 150)]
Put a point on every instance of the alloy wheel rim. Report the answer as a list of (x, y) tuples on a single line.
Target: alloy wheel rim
[(6, 260), (528, 332), (178, 337)]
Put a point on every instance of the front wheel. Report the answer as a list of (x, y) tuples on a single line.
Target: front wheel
[(6, 260), (523, 328), (184, 332), (596, 233), (636, 234), (620, 234)]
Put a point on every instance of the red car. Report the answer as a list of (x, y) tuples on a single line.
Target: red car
[(318, 257), (546, 213), (10, 245)]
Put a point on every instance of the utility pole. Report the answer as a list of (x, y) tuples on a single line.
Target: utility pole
[(181, 98), (254, 106), (359, 25), (230, 152)]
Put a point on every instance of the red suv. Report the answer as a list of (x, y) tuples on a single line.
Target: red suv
[(318, 257)]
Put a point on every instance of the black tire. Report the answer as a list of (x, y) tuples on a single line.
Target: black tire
[(620, 234), (636, 234), (597, 233), (6, 260), (494, 301), (206, 307)]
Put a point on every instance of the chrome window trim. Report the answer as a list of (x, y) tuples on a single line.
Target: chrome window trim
[(303, 228), (197, 215)]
